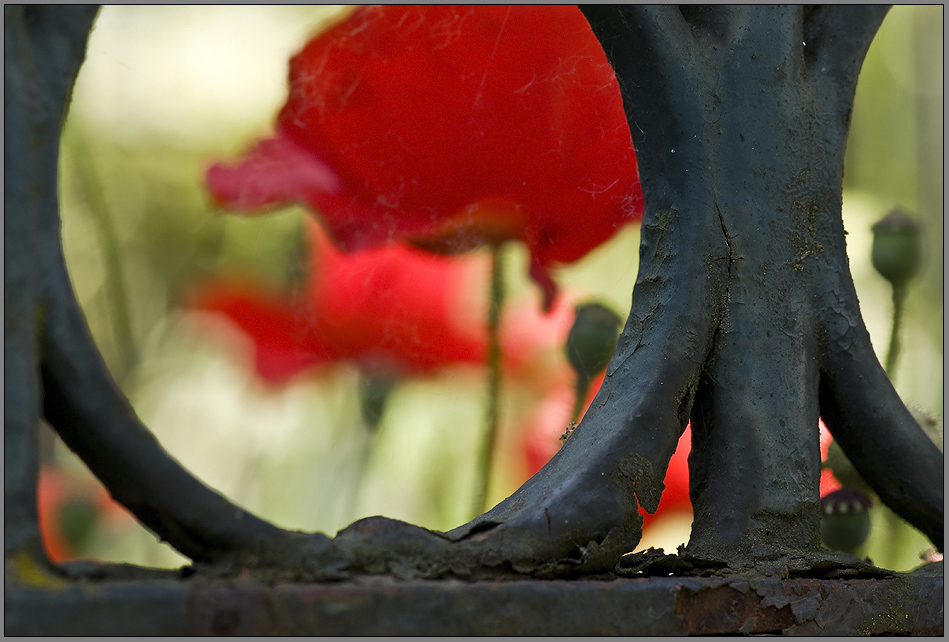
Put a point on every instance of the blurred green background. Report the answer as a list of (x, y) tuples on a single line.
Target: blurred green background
[(166, 90)]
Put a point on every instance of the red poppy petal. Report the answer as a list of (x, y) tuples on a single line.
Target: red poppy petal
[(275, 171), (828, 483), (391, 306), (282, 344), (51, 493), (548, 288), (675, 495), (825, 439)]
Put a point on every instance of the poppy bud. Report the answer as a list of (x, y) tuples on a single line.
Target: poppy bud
[(845, 520), (592, 339), (844, 471), (77, 520), (897, 247)]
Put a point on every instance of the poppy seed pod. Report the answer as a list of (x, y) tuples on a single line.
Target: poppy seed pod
[(897, 247), (845, 520), (592, 339)]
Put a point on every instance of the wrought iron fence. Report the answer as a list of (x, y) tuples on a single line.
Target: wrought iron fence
[(717, 304)]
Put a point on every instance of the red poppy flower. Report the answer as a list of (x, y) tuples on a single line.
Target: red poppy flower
[(394, 309), (451, 127)]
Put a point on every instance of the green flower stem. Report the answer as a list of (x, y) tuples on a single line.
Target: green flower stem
[(114, 280), (485, 457), (893, 351), (366, 453), (581, 388), (890, 522), (374, 392)]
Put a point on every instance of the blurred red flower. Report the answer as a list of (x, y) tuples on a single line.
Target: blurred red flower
[(393, 310), (541, 441), (69, 509), (451, 127), (828, 483)]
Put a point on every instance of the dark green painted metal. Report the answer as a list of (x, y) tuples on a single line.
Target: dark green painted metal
[(382, 606)]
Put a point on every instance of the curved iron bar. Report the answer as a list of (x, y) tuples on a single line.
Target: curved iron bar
[(55, 365), (37, 44)]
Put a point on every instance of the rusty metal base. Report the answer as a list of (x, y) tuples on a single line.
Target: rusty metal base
[(907, 604)]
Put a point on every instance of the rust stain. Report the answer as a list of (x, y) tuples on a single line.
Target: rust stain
[(726, 610)]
